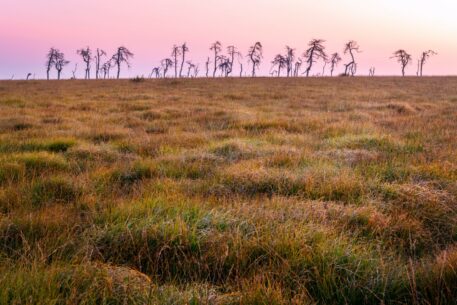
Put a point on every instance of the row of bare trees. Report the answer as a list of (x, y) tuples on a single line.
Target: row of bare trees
[(223, 63), (56, 59), (314, 53), (404, 59)]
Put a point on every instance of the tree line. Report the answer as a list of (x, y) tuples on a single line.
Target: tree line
[(56, 59), (221, 64)]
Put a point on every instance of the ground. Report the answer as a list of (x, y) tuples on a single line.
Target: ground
[(229, 191)]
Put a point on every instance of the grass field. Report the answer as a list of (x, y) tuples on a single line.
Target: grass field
[(229, 191)]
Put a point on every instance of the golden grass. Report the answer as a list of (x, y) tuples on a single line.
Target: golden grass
[(229, 191)]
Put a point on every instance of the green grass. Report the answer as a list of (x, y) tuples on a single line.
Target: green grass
[(240, 191)]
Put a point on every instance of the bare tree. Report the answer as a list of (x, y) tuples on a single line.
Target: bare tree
[(324, 66), (297, 66), (224, 65), (216, 47), (255, 55), (60, 62), (207, 66), (50, 61), (166, 63), (184, 49), (196, 70), (155, 71), (279, 62), (98, 57), (403, 58), (371, 71), (175, 53), (351, 47), (86, 54), (424, 57), (190, 67), (315, 51), (28, 76), (335, 58), (122, 55), (73, 72), (290, 57), (233, 53), (106, 67)]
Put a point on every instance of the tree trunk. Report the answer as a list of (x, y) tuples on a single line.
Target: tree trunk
[(182, 62), (215, 63), (253, 68), (176, 66)]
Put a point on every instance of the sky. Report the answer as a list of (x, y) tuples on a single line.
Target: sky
[(149, 28)]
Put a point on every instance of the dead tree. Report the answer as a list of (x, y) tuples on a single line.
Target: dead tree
[(279, 62), (323, 67), (184, 49), (403, 58), (155, 71), (28, 76), (73, 72), (424, 57), (207, 66), (315, 51), (190, 66), (232, 53), (122, 55), (255, 55), (50, 61), (196, 70), (216, 47), (224, 64), (297, 67), (166, 63), (106, 67), (86, 55), (98, 57), (175, 53), (335, 58), (351, 47), (371, 71), (290, 57), (60, 62)]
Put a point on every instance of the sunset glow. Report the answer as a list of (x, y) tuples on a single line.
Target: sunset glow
[(149, 28)]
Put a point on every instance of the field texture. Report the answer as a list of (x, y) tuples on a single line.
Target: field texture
[(229, 191)]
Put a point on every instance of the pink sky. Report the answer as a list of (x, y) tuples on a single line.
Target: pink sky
[(150, 27)]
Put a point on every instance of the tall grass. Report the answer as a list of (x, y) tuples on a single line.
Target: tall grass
[(265, 191)]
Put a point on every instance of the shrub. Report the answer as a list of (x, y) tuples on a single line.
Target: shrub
[(137, 79)]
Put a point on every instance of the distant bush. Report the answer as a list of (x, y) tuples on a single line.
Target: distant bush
[(137, 79)]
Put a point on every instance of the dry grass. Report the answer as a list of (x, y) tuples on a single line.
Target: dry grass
[(229, 191)]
